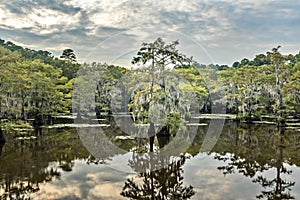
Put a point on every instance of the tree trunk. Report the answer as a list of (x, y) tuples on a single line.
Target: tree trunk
[(279, 164), (280, 117), (151, 135), (1, 147), (163, 140), (236, 101), (2, 139), (151, 143)]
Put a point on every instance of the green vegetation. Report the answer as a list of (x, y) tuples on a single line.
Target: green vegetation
[(29, 88), (166, 88), (36, 85), (162, 94)]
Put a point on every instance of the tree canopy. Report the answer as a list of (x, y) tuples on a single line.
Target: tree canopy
[(68, 54), (34, 83)]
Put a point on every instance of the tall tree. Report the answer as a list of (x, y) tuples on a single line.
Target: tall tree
[(280, 63), (68, 54), (160, 85), (8, 71), (161, 54)]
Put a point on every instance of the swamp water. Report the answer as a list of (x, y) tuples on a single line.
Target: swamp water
[(247, 162)]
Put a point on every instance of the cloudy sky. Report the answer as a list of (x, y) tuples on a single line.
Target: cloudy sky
[(213, 31)]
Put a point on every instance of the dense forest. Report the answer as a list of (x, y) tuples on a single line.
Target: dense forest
[(36, 85)]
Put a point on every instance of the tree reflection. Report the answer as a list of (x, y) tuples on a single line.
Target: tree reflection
[(279, 188), (1, 147), (165, 183), (2, 139), (257, 156), (27, 164), (21, 189)]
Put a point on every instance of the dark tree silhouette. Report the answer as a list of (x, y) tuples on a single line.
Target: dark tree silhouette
[(279, 188), (166, 183), (162, 177), (68, 54), (2, 139), (250, 164)]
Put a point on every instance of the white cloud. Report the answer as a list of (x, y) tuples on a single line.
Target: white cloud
[(13, 21), (47, 17), (2, 13)]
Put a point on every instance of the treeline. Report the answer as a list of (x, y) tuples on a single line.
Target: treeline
[(35, 84), (267, 85), (30, 87), (267, 89), (67, 62)]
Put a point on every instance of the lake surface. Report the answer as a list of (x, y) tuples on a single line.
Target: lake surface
[(247, 162)]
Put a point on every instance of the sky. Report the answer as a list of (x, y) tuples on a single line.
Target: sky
[(111, 31)]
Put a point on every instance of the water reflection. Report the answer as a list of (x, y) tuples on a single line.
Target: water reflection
[(279, 188), (259, 152), (257, 161), (27, 164), (165, 183), (1, 147)]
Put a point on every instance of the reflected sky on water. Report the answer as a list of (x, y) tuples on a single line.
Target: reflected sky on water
[(102, 182), (57, 166)]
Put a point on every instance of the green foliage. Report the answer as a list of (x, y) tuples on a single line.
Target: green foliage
[(68, 65), (162, 92), (30, 88), (161, 54), (69, 69), (259, 60), (16, 128), (34, 84), (270, 88), (97, 80), (291, 91)]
